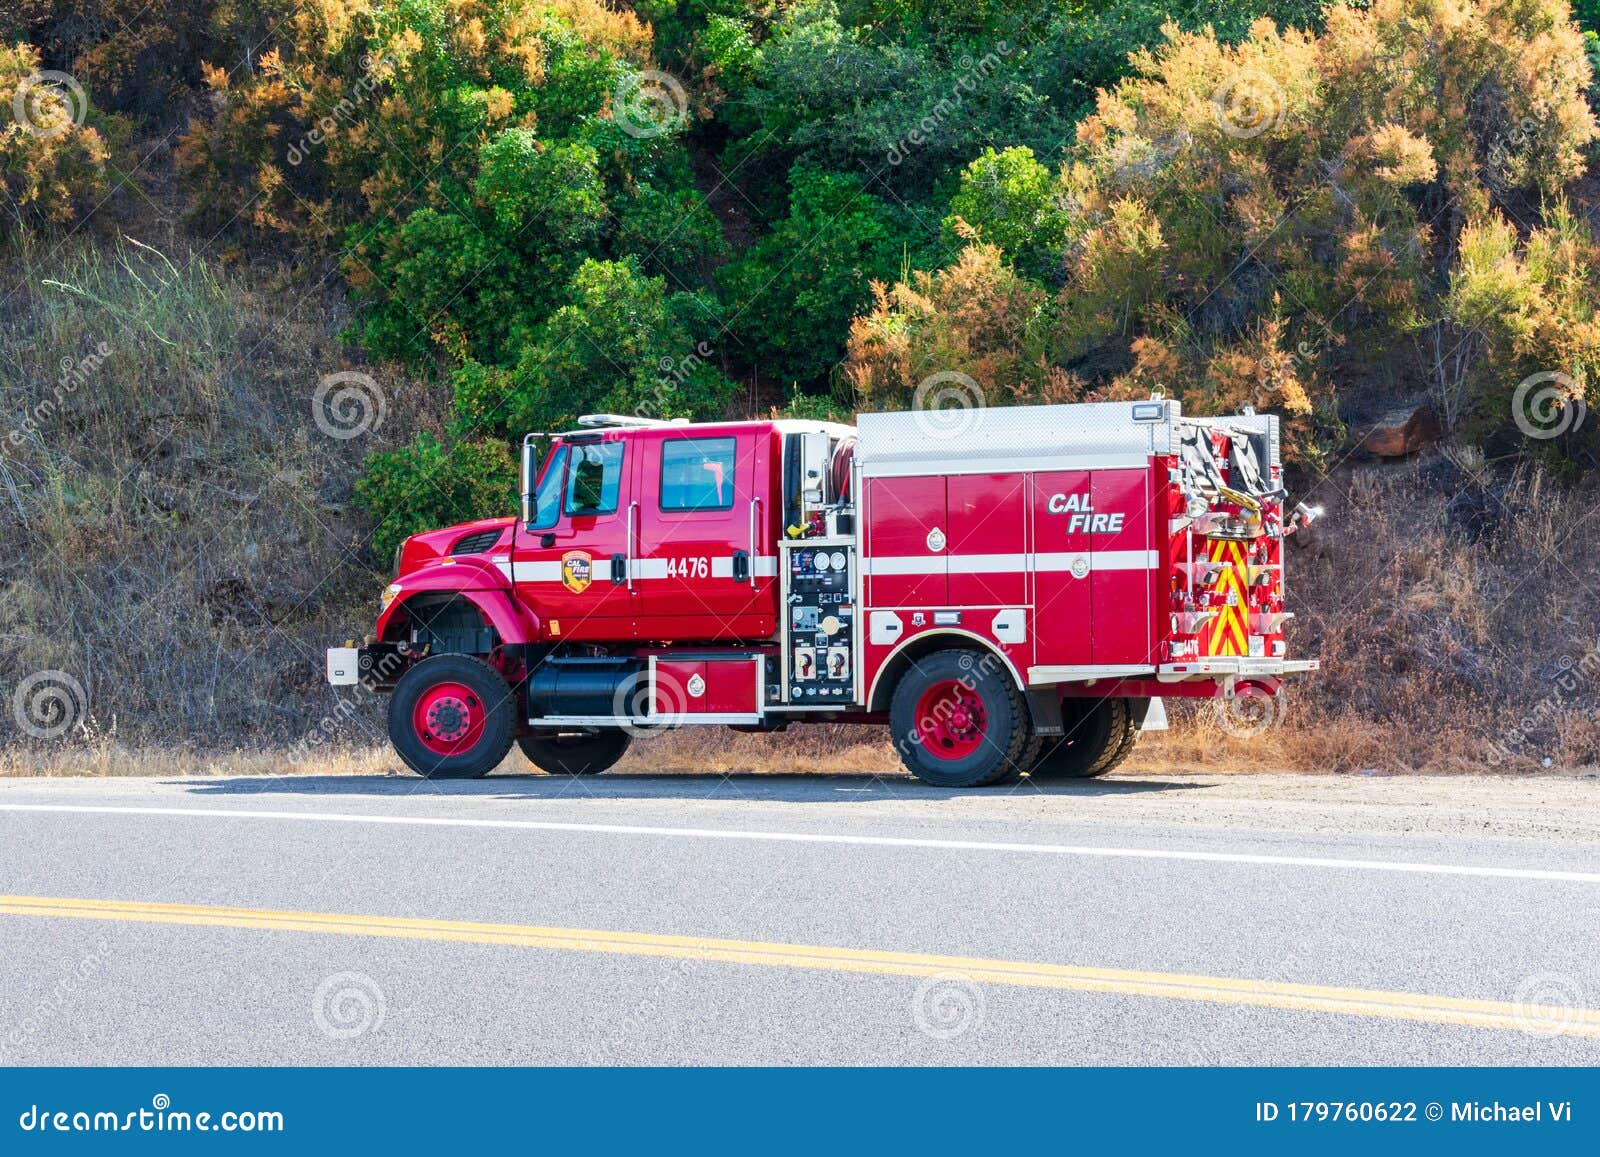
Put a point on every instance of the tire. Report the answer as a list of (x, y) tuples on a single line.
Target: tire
[(575, 752), (1099, 735), (958, 721), (452, 717)]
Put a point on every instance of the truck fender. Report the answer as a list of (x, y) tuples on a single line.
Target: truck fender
[(485, 587), (898, 661)]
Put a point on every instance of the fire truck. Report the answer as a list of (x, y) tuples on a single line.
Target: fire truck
[(1012, 591)]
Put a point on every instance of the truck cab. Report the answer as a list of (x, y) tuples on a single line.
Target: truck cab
[(653, 532), (1015, 601)]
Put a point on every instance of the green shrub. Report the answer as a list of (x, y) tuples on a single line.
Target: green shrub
[(427, 484), (793, 293), (1010, 200), (620, 344), (445, 283)]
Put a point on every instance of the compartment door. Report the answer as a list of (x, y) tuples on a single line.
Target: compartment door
[(987, 517), (1059, 502), (906, 542), (1123, 567)]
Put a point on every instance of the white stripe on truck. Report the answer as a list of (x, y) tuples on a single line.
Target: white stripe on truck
[(763, 566), (1009, 563)]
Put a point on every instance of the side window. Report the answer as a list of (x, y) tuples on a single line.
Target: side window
[(547, 498), (594, 479), (697, 474)]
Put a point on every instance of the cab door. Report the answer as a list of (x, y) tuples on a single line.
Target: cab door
[(571, 565), (705, 536)]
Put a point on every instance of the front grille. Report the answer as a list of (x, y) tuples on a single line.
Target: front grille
[(476, 543)]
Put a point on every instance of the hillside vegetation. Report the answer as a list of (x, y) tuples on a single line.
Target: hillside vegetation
[(286, 281)]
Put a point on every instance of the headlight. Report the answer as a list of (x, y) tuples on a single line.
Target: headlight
[(389, 593), (1197, 506)]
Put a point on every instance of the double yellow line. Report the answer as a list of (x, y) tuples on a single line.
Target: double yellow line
[(1547, 1020)]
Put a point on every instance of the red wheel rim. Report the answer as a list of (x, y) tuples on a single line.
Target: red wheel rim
[(951, 719), (448, 718)]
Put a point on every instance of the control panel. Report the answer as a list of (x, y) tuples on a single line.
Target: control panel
[(819, 622)]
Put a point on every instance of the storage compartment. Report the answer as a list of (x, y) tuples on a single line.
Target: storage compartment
[(706, 688)]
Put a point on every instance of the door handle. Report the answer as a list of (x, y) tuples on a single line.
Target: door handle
[(627, 567), (755, 537), (619, 569), (741, 566)]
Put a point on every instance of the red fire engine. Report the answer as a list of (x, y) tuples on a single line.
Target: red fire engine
[(1010, 590)]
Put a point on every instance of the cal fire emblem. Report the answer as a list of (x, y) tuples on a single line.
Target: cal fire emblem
[(697, 686), (577, 571)]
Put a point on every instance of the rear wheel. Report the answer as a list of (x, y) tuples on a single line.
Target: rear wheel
[(587, 752), (452, 717), (1100, 734), (958, 721)]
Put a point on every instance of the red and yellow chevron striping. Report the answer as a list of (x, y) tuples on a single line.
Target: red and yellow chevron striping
[(1230, 629)]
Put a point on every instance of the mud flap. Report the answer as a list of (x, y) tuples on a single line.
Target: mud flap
[(1148, 714)]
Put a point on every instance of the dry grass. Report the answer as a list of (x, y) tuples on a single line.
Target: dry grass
[(113, 760), (182, 546), (1452, 606)]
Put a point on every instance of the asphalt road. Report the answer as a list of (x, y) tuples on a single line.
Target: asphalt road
[(778, 920)]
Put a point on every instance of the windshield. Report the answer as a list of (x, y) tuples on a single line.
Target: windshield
[(547, 498)]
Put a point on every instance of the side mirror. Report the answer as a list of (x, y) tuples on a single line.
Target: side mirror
[(529, 514)]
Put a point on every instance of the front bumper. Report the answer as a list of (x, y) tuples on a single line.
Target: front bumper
[(374, 666), (343, 666)]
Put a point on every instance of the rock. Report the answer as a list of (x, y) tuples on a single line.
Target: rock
[(1402, 432)]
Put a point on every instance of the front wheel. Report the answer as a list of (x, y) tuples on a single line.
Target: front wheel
[(958, 721), (586, 752), (452, 717)]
